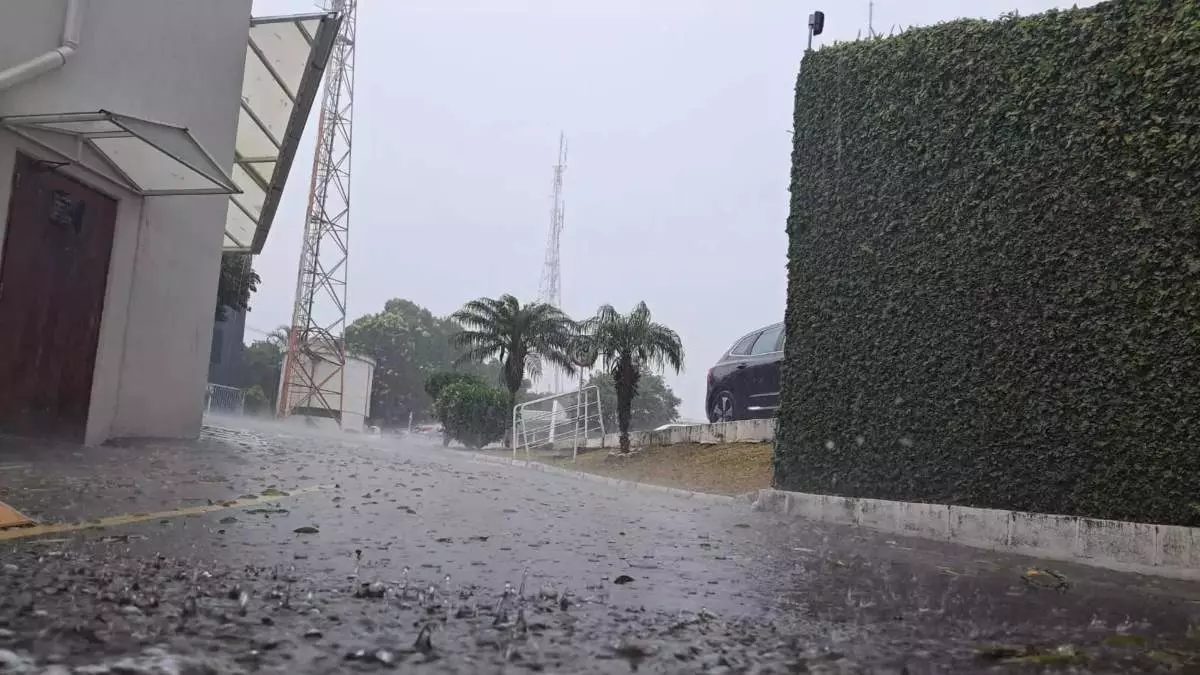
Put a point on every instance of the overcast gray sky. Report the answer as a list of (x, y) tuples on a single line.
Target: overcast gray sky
[(677, 114)]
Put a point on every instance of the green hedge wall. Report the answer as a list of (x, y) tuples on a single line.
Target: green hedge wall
[(994, 266)]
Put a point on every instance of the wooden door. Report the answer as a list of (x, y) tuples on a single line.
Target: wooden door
[(53, 275)]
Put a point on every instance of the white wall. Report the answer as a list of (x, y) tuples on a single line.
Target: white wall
[(357, 401), (173, 61), (357, 379)]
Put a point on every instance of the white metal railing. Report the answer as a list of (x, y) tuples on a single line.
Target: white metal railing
[(221, 399), (558, 421)]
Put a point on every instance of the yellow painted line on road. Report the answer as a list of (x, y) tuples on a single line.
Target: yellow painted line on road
[(131, 518), (10, 517)]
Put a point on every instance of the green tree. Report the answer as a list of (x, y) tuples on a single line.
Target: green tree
[(472, 413), (408, 344), (237, 282), (654, 404), (261, 363), (256, 401), (435, 383), (519, 336), (279, 337), (627, 344)]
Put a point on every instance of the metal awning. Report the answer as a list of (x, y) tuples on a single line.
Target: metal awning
[(149, 158), (285, 60)]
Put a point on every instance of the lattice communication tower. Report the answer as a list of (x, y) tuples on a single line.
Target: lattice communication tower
[(315, 362), (550, 288)]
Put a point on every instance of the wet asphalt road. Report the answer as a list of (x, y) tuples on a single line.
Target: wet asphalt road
[(357, 554)]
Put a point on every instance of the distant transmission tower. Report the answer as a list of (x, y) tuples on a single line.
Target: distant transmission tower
[(550, 289), (316, 357)]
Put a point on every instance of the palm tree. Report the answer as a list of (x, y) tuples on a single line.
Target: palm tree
[(520, 336), (626, 343), (279, 336)]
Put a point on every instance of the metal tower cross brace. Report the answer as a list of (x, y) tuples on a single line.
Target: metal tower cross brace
[(316, 358)]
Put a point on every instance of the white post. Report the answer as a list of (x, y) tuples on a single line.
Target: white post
[(575, 449), (600, 417), (514, 431), (410, 419), (585, 409), (525, 437)]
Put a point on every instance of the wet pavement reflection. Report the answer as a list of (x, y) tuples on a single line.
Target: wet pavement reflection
[(265, 550)]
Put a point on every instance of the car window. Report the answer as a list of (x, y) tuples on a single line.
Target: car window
[(743, 346), (767, 341)]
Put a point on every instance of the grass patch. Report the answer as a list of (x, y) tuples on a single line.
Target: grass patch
[(727, 469)]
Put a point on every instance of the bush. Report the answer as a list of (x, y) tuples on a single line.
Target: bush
[(994, 266), (435, 383), (473, 414), (256, 402)]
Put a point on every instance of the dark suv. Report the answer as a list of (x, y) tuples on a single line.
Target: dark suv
[(745, 382)]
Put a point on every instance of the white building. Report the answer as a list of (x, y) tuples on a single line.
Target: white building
[(138, 138), (345, 390)]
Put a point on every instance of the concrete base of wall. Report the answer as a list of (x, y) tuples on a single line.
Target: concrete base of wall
[(744, 431), (1162, 550)]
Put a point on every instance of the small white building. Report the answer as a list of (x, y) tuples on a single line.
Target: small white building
[(346, 390), (138, 140)]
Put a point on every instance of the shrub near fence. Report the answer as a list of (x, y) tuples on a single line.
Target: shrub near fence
[(994, 266), (472, 413)]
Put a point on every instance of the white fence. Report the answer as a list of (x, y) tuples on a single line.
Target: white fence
[(741, 431), (222, 399), (559, 421)]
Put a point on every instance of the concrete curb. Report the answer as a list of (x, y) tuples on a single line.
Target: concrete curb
[(705, 497), (1160, 550)]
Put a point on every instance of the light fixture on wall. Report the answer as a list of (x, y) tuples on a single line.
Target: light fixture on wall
[(816, 26)]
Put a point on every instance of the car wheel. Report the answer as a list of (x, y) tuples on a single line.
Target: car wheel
[(723, 408)]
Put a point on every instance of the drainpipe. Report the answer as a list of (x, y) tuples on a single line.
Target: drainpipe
[(53, 59)]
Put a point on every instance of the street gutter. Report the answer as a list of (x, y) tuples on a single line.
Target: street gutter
[(1157, 550)]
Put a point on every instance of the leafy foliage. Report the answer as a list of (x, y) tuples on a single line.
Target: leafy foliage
[(256, 401), (994, 266), (519, 336), (626, 344), (435, 383), (654, 404), (260, 369), (237, 282), (473, 414), (408, 344)]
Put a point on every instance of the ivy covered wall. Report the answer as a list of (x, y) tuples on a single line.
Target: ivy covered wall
[(994, 266)]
